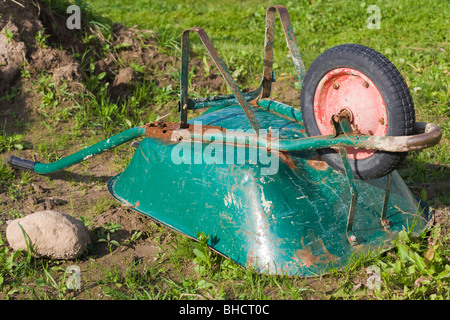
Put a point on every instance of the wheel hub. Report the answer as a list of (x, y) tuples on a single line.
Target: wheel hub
[(350, 89)]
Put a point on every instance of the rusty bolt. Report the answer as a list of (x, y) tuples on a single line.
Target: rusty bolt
[(381, 121), (352, 239), (365, 84), (336, 85)]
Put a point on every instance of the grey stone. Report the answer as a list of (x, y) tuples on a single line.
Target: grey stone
[(52, 234)]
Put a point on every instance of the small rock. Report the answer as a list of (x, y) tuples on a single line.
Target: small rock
[(70, 71), (52, 235), (124, 77)]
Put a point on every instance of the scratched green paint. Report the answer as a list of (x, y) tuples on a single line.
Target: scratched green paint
[(292, 222)]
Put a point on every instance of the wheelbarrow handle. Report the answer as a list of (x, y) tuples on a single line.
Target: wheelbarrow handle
[(45, 168), (426, 135)]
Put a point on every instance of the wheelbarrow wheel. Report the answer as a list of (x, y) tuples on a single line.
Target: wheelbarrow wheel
[(363, 81)]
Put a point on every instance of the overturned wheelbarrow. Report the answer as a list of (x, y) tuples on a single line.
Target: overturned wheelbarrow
[(283, 190)]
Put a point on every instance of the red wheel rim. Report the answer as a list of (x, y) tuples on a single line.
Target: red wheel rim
[(346, 88)]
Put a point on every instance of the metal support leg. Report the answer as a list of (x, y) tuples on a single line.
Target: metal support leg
[(223, 70), (342, 126), (184, 80), (387, 192), (269, 45), (354, 196)]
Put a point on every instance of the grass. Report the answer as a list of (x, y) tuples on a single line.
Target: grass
[(410, 271), (415, 39), (413, 35)]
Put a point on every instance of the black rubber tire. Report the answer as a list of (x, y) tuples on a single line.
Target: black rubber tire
[(393, 89)]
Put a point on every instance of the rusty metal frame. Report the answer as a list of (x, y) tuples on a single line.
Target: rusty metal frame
[(387, 192), (430, 137), (342, 125)]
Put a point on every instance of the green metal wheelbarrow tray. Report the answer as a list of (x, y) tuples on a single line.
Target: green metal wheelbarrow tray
[(250, 175)]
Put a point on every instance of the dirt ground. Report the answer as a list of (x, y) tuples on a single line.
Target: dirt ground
[(82, 191)]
